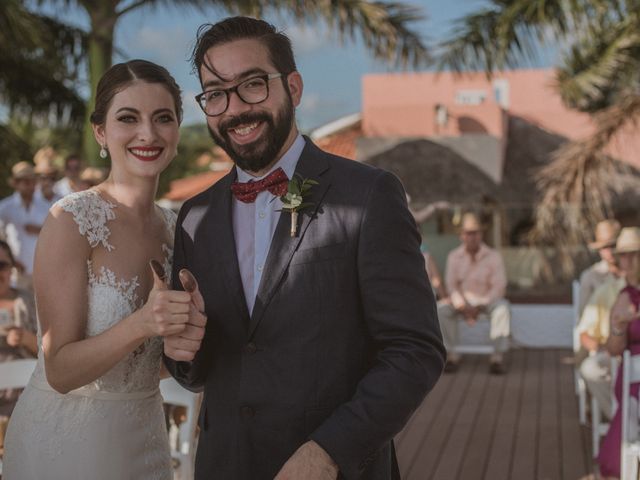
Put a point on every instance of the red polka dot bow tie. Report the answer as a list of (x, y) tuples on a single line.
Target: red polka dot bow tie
[(276, 183)]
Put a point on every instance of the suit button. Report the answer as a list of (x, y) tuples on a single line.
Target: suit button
[(250, 348), (247, 412)]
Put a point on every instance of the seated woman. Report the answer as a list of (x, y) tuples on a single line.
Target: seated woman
[(17, 328), (624, 334)]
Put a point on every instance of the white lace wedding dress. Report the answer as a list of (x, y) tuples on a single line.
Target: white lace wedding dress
[(112, 428)]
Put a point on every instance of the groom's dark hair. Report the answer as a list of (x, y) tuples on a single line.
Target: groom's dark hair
[(241, 28)]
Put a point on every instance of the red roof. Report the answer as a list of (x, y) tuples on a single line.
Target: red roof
[(343, 142), (185, 188)]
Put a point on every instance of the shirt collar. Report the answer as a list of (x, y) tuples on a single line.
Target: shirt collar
[(482, 251), (287, 162)]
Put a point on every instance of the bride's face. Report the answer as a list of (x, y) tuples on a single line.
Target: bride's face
[(141, 130)]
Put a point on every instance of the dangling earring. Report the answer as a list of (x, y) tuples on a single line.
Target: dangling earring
[(103, 151)]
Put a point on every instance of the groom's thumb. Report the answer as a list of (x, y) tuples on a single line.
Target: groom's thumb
[(159, 276), (190, 284)]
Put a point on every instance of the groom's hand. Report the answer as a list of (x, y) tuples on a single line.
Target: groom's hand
[(309, 462), (184, 346)]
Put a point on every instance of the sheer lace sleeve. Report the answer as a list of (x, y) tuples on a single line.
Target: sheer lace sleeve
[(91, 212)]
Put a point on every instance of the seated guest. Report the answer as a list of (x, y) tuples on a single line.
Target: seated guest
[(593, 329), (624, 334), (17, 328), (476, 281), (606, 234)]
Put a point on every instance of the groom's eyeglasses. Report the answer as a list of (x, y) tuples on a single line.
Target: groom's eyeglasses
[(253, 90), (5, 265)]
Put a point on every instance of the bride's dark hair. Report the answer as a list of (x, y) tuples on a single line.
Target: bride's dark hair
[(119, 76)]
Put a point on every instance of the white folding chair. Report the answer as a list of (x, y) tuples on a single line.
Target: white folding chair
[(580, 386), (184, 452), (630, 447), (599, 428), (16, 374)]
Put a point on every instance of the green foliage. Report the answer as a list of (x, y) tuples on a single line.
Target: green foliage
[(194, 141), (13, 149)]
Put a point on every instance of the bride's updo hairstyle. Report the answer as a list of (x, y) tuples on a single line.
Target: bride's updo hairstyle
[(121, 75)]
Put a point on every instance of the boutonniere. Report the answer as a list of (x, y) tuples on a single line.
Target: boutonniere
[(293, 201)]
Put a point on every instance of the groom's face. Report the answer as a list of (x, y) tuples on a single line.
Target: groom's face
[(254, 135)]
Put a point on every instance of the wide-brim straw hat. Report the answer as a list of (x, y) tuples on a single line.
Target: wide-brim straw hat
[(22, 170), (628, 240), (606, 234)]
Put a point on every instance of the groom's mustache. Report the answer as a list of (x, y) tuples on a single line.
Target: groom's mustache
[(245, 118)]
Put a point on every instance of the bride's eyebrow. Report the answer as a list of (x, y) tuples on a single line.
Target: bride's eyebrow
[(135, 110)]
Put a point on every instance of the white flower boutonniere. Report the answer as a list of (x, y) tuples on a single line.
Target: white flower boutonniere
[(294, 200)]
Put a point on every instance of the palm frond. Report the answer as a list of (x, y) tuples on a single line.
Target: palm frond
[(601, 65), (384, 26), (579, 183)]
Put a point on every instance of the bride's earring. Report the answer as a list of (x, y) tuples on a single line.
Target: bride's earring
[(103, 151)]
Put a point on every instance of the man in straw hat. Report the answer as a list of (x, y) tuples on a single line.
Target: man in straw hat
[(22, 215), (476, 280), (605, 280), (606, 269)]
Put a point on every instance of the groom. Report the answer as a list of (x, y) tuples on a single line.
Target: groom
[(322, 335)]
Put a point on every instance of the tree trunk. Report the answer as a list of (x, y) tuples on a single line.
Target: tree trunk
[(103, 19)]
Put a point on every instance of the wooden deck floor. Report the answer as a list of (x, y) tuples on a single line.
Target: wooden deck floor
[(522, 425)]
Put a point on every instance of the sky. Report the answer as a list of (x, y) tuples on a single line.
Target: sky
[(331, 71)]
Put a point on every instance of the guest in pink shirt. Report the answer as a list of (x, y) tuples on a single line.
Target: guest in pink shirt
[(476, 281)]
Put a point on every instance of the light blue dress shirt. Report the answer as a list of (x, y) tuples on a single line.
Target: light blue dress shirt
[(255, 223)]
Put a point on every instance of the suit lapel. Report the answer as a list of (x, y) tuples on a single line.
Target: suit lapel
[(218, 243), (312, 164)]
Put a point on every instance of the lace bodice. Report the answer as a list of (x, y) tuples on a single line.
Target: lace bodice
[(110, 298)]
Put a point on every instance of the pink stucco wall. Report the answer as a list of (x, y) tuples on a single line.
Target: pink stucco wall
[(404, 105)]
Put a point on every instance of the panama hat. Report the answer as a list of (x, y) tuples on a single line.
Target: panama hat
[(22, 170), (628, 240), (606, 233)]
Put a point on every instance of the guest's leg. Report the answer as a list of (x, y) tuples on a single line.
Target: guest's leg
[(449, 325), (500, 316), (596, 371)]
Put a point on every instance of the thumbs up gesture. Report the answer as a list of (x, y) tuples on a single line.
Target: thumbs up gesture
[(184, 345), (166, 311)]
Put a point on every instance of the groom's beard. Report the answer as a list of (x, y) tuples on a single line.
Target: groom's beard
[(261, 153)]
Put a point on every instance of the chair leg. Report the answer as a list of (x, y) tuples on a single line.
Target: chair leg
[(582, 401), (595, 426)]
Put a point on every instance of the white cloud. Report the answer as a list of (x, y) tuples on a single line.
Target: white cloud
[(307, 38)]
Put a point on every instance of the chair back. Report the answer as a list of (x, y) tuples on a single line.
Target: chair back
[(16, 373), (629, 409), (173, 393), (575, 301)]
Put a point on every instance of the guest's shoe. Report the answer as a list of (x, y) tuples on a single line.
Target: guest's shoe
[(497, 368), (451, 366)]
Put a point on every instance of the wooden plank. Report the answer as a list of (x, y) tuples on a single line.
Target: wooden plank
[(502, 441), (476, 452), (525, 451), (455, 448), (549, 462), (430, 449), (409, 440), (575, 440)]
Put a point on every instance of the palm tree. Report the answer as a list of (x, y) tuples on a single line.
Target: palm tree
[(39, 61), (599, 73), (382, 25)]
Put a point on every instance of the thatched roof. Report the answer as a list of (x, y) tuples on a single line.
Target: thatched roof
[(432, 172)]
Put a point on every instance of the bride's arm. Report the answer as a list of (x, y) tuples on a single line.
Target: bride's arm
[(60, 279)]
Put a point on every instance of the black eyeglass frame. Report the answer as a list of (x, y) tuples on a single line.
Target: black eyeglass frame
[(266, 77)]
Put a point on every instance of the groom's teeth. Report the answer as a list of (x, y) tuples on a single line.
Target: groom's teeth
[(246, 130)]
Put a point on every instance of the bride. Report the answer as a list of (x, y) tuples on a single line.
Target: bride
[(92, 409)]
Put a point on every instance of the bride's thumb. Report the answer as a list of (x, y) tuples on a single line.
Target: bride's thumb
[(159, 277)]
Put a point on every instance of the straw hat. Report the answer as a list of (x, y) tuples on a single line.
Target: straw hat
[(470, 223), (606, 233), (92, 175), (22, 170), (628, 240)]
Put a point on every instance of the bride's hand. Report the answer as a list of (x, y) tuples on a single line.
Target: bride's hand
[(166, 311), (185, 345)]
